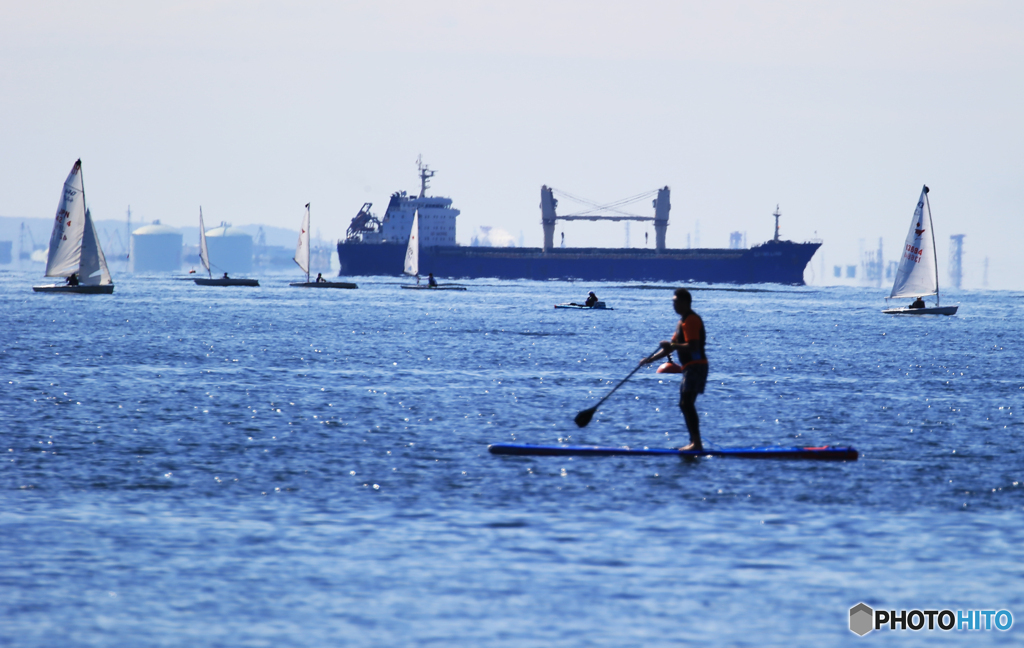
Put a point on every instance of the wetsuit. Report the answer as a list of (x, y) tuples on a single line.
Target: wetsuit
[(695, 371)]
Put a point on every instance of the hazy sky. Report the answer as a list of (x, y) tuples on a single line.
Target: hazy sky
[(837, 111)]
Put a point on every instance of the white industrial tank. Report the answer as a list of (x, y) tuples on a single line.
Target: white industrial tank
[(155, 248), (230, 249)]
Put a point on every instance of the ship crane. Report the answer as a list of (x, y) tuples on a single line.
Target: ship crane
[(363, 223), (607, 212)]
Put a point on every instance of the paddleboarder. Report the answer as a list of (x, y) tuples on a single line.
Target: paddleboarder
[(688, 341)]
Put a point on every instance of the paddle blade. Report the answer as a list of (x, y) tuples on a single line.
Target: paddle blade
[(583, 418)]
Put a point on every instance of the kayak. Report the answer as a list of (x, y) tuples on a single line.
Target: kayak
[(226, 282), (437, 287), (598, 306), (325, 284), (828, 453)]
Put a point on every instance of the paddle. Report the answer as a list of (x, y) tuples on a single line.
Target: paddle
[(583, 418)]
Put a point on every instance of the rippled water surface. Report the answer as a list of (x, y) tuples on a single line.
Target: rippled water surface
[(287, 467)]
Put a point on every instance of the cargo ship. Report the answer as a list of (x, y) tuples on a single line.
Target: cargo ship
[(377, 246)]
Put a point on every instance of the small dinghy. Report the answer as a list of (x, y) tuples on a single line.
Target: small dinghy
[(204, 258), (412, 260), (573, 305), (301, 259), (75, 250), (918, 273)]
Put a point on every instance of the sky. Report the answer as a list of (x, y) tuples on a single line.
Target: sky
[(837, 112)]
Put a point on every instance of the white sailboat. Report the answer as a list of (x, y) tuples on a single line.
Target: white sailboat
[(301, 259), (204, 258), (918, 273), (412, 261), (75, 250)]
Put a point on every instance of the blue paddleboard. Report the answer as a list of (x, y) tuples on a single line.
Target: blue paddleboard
[(827, 453)]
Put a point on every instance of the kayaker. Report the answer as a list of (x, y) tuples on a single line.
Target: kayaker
[(591, 300), (688, 341)]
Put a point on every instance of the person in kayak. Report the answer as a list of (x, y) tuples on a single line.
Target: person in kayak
[(431, 282), (591, 300), (688, 341)]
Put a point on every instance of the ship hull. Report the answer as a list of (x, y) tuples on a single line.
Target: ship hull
[(774, 262)]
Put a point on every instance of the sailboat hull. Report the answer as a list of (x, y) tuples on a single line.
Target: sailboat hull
[(106, 289), (933, 310), (324, 284)]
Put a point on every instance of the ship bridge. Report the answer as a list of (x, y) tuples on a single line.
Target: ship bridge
[(613, 211)]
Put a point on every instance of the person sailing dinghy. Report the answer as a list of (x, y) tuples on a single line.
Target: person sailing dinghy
[(412, 260), (204, 258), (918, 273), (301, 259), (75, 250)]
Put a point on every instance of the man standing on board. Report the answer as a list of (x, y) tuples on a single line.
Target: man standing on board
[(688, 340)]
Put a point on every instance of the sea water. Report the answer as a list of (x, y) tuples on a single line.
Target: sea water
[(278, 466)]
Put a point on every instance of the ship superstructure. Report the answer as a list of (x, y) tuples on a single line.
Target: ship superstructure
[(437, 218)]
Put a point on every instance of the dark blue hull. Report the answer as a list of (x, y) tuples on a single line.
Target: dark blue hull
[(825, 453), (773, 262)]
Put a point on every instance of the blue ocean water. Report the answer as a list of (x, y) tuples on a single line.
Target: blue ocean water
[(287, 467)]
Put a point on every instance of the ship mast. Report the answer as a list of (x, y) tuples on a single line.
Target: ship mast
[(425, 175)]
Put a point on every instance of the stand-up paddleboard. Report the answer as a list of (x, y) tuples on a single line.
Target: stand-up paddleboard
[(826, 453)]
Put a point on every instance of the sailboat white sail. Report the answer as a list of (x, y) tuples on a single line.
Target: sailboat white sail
[(918, 273), (75, 250), (92, 269), (68, 227), (302, 248), (204, 252), (412, 253)]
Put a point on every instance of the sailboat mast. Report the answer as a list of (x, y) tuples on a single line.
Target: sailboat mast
[(308, 251), (85, 206), (931, 226)]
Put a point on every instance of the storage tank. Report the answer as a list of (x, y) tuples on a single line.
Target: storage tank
[(155, 248), (230, 249)]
